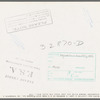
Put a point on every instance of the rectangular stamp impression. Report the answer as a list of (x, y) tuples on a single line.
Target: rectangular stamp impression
[(28, 21), (71, 66), (22, 70)]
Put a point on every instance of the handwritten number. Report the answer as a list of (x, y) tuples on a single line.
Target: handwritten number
[(51, 45), (59, 42), (65, 42), (78, 43), (42, 46)]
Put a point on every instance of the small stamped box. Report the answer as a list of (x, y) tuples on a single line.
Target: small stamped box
[(71, 66), (28, 21)]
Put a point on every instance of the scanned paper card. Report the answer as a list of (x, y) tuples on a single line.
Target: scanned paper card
[(49, 50)]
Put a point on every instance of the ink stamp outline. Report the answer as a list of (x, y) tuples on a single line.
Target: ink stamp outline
[(28, 21), (74, 76)]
